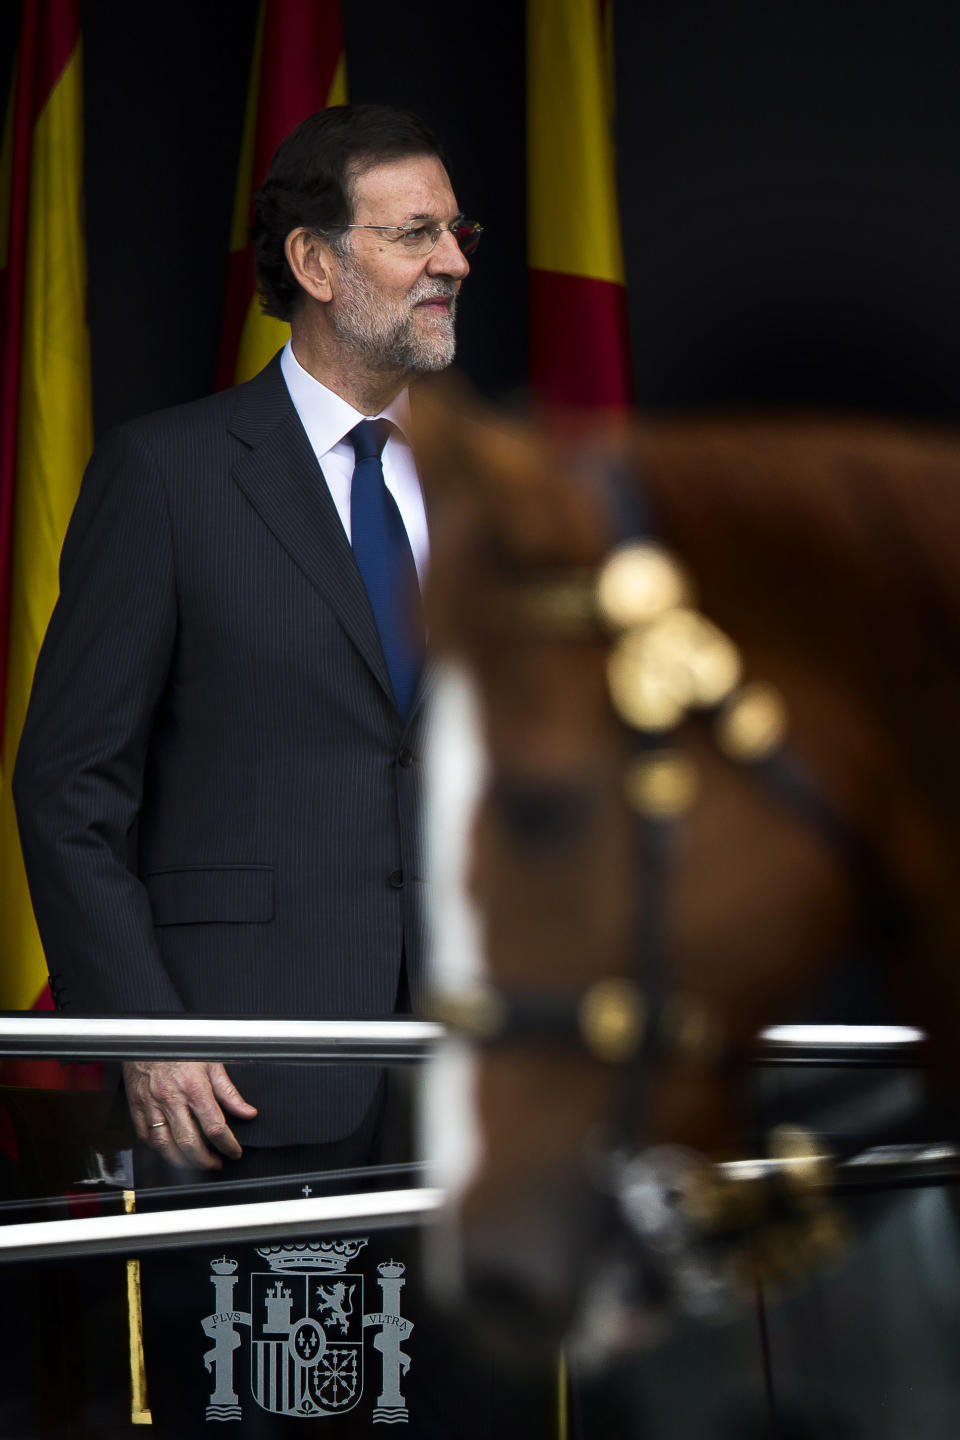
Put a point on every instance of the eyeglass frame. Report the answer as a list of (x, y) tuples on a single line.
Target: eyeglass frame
[(475, 231)]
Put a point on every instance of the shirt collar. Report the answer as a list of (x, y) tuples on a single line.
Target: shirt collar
[(326, 416)]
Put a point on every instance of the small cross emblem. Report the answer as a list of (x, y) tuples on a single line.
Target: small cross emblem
[(306, 1192)]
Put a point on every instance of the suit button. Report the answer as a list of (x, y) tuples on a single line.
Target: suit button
[(396, 879), (405, 758)]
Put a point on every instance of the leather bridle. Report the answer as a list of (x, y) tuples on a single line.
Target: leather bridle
[(666, 664)]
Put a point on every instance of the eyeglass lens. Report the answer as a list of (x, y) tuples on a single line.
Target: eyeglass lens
[(423, 239), (467, 235)]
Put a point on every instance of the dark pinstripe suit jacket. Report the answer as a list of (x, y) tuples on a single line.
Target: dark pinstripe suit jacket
[(217, 797)]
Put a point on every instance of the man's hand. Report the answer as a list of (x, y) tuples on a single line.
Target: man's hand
[(176, 1105)]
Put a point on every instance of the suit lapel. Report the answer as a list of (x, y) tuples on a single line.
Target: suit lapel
[(280, 477)]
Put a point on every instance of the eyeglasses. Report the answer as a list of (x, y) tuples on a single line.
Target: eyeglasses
[(422, 239)]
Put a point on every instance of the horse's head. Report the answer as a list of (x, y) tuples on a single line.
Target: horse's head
[(530, 835), (581, 842)]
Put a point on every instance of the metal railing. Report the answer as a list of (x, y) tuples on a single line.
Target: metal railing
[(260, 1220), (163, 1037), (392, 1041), (844, 1046)]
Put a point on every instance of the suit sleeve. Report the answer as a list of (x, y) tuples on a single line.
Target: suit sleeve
[(78, 782)]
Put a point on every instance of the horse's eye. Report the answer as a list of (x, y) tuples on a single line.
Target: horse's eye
[(543, 816)]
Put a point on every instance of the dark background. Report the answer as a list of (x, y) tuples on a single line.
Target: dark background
[(790, 194), (788, 179)]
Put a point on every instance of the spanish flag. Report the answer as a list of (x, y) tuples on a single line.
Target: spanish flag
[(45, 412), (298, 67), (579, 341)]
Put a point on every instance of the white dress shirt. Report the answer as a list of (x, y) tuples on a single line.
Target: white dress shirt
[(328, 419)]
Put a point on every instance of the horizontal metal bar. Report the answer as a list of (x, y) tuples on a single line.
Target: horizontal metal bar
[(390, 1041), (841, 1046), (163, 1037), (229, 1192), (216, 1225), (880, 1167), (886, 1166)]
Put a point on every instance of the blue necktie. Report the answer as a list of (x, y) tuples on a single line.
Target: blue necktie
[(382, 551)]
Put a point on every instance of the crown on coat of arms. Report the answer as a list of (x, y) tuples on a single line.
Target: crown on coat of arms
[(390, 1269), (223, 1266), (329, 1255)]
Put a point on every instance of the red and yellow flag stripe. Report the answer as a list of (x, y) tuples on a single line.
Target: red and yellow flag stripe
[(298, 67), (45, 408), (579, 341)]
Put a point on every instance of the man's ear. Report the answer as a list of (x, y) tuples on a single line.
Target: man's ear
[(310, 259)]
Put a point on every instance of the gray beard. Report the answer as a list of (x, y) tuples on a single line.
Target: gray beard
[(386, 337)]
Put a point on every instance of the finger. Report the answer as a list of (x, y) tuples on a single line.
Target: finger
[(146, 1117), (228, 1094), (199, 1095), (159, 1138), (184, 1145), (155, 1133), (213, 1124), (139, 1117)]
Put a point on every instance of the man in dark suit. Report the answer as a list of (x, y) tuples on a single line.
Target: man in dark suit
[(218, 782), (218, 785)]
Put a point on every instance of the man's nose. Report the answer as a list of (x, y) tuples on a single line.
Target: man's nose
[(447, 258)]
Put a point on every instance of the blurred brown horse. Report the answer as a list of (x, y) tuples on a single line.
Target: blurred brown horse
[(828, 550)]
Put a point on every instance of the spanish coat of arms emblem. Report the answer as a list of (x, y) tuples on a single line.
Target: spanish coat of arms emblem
[(306, 1326)]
